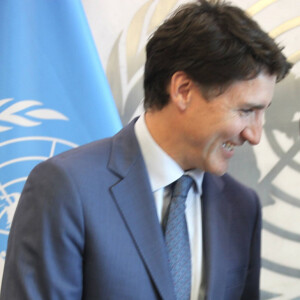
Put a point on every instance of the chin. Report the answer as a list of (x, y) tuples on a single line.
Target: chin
[(218, 173), (216, 170)]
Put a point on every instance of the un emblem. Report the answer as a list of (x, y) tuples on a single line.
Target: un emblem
[(19, 155)]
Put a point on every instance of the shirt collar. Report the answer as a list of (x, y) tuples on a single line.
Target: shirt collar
[(197, 175), (162, 169)]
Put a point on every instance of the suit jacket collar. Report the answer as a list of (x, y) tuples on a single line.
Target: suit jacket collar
[(135, 201), (216, 216)]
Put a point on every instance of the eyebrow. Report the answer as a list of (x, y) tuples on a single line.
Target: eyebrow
[(257, 106)]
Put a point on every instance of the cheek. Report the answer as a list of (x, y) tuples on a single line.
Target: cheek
[(234, 126), (212, 144)]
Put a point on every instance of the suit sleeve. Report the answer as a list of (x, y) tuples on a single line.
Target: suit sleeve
[(46, 242), (251, 290)]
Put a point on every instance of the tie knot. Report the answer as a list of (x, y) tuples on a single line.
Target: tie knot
[(182, 186)]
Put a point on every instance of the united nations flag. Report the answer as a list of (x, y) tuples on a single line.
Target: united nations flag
[(53, 92)]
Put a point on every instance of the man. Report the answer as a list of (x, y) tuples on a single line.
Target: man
[(92, 223)]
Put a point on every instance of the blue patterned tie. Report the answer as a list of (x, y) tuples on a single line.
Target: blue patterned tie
[(177, 239)]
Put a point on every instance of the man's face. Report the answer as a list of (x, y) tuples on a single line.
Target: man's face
[(212, 129)]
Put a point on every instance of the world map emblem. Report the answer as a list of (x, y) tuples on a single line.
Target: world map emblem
[(19, 155)]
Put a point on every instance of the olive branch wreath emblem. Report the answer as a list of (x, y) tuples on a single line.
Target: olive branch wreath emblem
[(23, 113), (127, 57)]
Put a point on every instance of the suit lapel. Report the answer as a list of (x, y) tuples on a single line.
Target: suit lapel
[(135, 201), (216, 222)]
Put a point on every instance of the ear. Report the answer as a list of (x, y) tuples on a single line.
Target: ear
[(179, 89)]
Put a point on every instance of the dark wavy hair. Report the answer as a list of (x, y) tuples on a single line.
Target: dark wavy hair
[(215, 44)]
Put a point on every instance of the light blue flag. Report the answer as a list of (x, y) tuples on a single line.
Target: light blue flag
[(53, 92)]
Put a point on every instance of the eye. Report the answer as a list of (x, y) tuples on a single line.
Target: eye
[(246, 111)]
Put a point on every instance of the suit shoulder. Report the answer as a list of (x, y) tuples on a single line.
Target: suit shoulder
[(233, 184), (96, 148), (96, 152), (240, 196)]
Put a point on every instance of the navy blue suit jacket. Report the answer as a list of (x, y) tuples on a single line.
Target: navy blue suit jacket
[(86, 227)]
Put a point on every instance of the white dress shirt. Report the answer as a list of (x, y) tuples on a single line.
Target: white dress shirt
[(162, 171)]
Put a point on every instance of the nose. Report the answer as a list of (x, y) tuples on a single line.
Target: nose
[(252, 133)]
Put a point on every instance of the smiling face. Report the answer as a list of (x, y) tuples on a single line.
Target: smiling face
[(210, 130)]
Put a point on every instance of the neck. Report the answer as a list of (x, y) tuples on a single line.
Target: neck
[(164, 127)]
